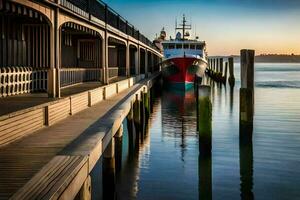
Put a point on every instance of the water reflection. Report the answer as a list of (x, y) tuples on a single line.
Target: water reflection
[(204, 128), (169, 166), (231, 99), (246, 161), (205, 176), (178, 111), (128, 182), (108, 177)]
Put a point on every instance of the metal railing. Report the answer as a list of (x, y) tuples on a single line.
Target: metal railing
[(21, 80), (71, 76), (103, 12)]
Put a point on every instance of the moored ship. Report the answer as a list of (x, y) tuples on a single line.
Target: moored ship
[(184, 58)]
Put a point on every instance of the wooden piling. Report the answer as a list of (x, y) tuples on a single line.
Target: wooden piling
[(143, 116), (247, 86), (118, 148), (231, 78), (225, 73), (247, 68), (220, 70), (221, 65), (204, 118), (147, 104), (137, 118), (131, 130)]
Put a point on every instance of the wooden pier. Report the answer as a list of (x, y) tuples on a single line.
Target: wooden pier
[(71, 71)]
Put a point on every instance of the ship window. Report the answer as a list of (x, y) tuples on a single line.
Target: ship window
[(192, 46), (178, 46), (172, 46), (198, 47), (166, 46), (186, 46)]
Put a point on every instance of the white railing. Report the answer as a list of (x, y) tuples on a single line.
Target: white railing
[(114, 72), (71, 76), (20, 80)]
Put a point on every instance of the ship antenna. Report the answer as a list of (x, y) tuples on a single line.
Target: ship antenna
[(183, 26), (175, 25)]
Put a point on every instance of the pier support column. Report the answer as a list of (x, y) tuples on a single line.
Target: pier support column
[(137, 118), (52, 72), (103, 60), (105, 67), (247, 87), (147, 104), (231, 78), (217, 65), (52, 87), (85, 192), (118, 148), (143, 116), (127, 60), (204, 118), (131, 130), (108, 171)]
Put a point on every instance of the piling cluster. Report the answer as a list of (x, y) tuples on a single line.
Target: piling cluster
[(218, 72)]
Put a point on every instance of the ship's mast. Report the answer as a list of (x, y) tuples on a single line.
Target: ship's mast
[(184, 26)]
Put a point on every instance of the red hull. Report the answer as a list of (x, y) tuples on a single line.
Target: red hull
[(183, 69)]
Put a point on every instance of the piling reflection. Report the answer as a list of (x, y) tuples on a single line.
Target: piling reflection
[(245, 143), (246, 161), (205, 176), (131, 131), (204, 128), (118, 154), (127, 184), (231, 98), (108, 172)]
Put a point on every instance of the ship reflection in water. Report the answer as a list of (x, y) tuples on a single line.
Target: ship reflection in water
[(246, 162)]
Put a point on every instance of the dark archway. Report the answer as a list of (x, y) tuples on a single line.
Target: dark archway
[(116, 58), (142, 61), (150, 62), (133, 59), (81, 55)]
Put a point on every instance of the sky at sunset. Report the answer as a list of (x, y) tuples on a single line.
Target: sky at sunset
[(268, 26)]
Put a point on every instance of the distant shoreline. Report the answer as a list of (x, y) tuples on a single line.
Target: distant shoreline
[(273, 58)]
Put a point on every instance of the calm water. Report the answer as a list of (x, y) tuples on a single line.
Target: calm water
[(167, 163)]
